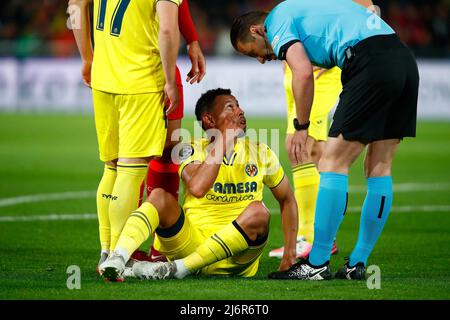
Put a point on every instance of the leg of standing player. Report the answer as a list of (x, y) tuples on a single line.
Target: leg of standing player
[(163, 172), (390, 116), (305, 175), (103, 197), (139, 140)]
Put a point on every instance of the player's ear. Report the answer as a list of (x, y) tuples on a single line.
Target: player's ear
[(208, 121), (257, 29)]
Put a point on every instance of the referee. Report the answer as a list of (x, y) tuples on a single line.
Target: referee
[(377, 109)]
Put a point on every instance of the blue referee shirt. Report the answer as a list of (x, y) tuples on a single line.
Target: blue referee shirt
[(325, 28)]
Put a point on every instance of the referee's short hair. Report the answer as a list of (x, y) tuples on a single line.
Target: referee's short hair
[(240, 29), (206, 102)]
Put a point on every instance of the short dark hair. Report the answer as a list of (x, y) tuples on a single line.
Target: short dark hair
[(240, 29), (206, 102)]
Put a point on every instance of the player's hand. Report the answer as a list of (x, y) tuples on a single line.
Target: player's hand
[(287, 260), (198, 68), (86, 73), (172, 94), (230, 131), (298, 151), (320, 73)]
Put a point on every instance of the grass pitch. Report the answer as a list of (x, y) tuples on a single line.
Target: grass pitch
[(51, 154)]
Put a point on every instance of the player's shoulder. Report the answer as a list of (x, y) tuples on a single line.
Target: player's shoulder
[(255, 149), (189, 149), (200, 144), (251, 144)]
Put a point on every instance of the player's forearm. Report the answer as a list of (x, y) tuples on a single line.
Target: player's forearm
[(303, 90), (82, 32), (199, 178), (168, 38), (203, 179), (289, 220)]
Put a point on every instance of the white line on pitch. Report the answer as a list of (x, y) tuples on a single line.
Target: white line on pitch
[(93, 216), (400, 209), (399, 187), (5, 202), (50, 217)]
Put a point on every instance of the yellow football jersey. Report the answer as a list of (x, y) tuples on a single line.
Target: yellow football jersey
[(126, 54), (240, 181)]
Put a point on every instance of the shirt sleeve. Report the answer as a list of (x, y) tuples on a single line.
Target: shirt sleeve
[(187, 27), (177, 2), (274, 172), (282, 35)]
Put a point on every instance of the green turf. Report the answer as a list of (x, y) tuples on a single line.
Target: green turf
[(49, 153)]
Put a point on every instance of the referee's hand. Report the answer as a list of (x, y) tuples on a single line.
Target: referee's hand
[(298, 151)]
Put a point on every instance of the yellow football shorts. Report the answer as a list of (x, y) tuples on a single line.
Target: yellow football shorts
[(129, 126), (190, 236), (326, 92)]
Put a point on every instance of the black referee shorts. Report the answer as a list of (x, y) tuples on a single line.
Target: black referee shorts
[(380, 83)]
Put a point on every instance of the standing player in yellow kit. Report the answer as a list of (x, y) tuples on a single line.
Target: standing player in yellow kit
[(133, 70)]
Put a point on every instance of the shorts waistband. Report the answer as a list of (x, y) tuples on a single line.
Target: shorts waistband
[(378, 42), (385, 41)]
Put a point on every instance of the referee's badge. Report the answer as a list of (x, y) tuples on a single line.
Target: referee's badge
[(275, 41), (251, 169)]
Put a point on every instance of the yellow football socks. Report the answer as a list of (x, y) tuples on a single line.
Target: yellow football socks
[(139, 226), (223, 244), (125, 196), (104, 190), (306, 184)]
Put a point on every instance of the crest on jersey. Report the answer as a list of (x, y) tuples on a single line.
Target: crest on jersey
[(251, 169)]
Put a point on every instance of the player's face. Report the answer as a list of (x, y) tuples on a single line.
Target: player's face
[(259, 48), (228, 114)]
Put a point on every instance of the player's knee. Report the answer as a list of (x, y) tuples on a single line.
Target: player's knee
[(161, 199), (166, 206), (259, 215), (316, 152)]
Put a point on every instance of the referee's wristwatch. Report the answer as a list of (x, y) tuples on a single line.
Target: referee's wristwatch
[(299, 126)]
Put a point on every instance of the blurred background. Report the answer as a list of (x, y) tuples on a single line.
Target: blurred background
[(38, 28), (39, 65)]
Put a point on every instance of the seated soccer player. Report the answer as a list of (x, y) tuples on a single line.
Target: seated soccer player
[(223, 226)]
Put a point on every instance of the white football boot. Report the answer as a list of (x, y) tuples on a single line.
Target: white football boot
[(112, 269), (154, 270), (303, 248)]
